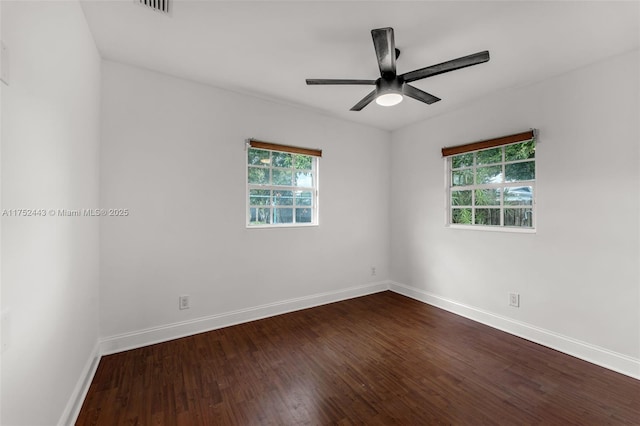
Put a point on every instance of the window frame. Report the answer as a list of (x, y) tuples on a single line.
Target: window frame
[(315, 193), (449, 189)]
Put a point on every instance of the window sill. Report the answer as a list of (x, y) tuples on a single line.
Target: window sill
[(284, 225), (494, 229)]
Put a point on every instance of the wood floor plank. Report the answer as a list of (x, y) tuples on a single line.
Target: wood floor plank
[(379, 359)]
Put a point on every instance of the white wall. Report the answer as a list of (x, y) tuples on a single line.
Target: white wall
[(50, 134), (578, 275), (173, 154)]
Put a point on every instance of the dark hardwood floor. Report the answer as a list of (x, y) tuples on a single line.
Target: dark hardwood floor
[(378, 359)]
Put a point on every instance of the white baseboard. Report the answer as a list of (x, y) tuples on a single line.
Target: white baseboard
[(71, 411), (150, 336), (620, 363), (608, 359)]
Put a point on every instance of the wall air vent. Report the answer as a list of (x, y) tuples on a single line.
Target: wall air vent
[(159, 5)]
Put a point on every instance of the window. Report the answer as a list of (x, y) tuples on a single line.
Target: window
[(492, 187), (282, 185)]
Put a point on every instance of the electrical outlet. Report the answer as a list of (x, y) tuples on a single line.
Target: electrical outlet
[(373, 271), (183, 302), (514, 300)]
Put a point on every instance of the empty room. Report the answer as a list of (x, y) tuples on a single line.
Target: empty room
[(319, 212)]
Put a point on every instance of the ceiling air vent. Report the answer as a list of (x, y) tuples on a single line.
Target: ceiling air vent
[(159, 5)]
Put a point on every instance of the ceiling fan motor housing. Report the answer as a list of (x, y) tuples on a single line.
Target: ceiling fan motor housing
[(394, 85)]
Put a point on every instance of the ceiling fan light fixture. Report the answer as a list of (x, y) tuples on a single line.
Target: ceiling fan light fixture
[(389, 99)]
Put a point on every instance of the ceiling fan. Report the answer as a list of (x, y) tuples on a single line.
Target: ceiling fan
[(391, 87)]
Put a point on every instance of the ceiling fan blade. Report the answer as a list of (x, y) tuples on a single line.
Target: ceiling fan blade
[(385, 46), (364, 102), (314, 81), (415, 93), (452, 65)]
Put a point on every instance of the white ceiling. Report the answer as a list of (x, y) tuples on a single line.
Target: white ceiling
[(268, 48)]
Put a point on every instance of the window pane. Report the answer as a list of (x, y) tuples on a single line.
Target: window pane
[(518, 217), (282, 215), (304, 179), (281, 188), (489, 156), (487, 216), (463, 160), (491, 174), (303, 215), (281, 159), (520, 151), (520, 171), (303, 198), (259, 216), (283, 198), (302, 162), (258, 157), (461, 198), (518, 196), (282, 177), (259, 197), (462, 177), (493, 186), (259, 176), (487, 197), (461, 216)]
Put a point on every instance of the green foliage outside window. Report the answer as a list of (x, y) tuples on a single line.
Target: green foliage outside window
[(482, 183), (281, 187)]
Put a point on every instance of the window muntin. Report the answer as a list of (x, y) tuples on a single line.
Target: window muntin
[(492, 187), (281, 188)]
